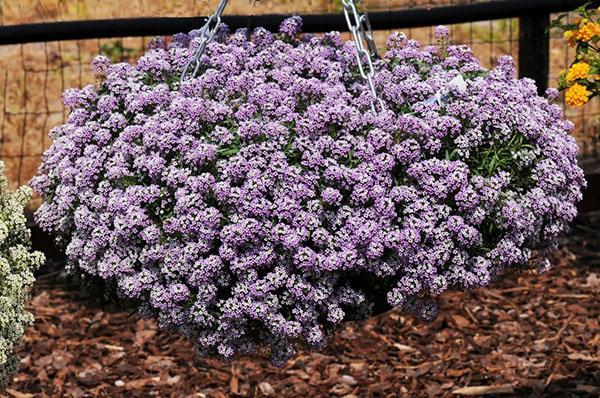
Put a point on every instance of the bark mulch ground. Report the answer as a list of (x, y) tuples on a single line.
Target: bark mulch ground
[(527, 337)]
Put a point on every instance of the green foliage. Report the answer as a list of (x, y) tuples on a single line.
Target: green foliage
[(502, 156), (17, 263), (116, 52)]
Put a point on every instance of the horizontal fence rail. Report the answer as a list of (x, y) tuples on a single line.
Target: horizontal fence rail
[(91, 29)]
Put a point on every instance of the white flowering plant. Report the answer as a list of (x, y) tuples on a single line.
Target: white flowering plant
[(17, 264)]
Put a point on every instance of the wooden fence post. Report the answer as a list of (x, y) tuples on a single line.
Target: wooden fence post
[(534, 49)]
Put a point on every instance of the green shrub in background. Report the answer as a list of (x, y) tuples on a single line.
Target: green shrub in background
[(17, 263)]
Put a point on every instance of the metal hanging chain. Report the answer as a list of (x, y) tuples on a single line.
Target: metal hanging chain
[(207, 33), (361, 31), (359, 27)]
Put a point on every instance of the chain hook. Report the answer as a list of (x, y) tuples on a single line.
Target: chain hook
[(360, 28), (207, 33)]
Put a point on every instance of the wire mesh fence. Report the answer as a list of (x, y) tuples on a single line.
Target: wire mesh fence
[(33, 75)]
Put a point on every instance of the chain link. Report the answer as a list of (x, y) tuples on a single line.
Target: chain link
[(361, 31), (207, 33)]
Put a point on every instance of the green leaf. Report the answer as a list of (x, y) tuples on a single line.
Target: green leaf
[(128, 181)]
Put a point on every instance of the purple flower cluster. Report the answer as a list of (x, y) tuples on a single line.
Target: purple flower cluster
[(261, 203)]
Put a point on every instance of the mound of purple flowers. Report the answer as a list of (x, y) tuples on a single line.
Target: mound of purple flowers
[(261, 203)]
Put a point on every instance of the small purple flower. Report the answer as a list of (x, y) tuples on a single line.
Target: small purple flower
[(332, 196), (291, 26), (441, 33), (100, 66)]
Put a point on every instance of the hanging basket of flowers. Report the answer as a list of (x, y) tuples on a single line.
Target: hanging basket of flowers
[(273, 192)]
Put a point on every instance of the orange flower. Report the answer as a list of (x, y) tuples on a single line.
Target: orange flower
[(587, 32), (580, 70), (577, 95)]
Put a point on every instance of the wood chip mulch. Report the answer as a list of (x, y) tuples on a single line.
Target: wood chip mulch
[(527, 337)]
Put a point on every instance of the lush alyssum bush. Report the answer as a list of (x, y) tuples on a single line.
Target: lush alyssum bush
[(17, 263), (261, 203)]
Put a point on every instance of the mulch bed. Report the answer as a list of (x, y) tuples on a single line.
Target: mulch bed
[(527, 337)]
